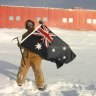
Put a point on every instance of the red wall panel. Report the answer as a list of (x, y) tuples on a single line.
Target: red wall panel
[(0, 16), (70, 17), (89, 15), (37, 14), (44, 15), (17, 18), (24, 16), (76, 24), (51, 17), (31, 12), (64, 16), (11, 17), (58, 18), (82, 19), (94, 21), (3, 17), (55, 17)]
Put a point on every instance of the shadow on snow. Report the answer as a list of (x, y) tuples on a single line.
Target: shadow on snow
[(6, 67)]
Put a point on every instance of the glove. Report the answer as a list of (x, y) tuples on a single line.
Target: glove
[(41, 22)]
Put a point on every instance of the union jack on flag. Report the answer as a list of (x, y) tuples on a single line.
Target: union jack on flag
[(45, 43), (46, 35)]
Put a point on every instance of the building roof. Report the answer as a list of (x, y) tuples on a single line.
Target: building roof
[(86, 4)]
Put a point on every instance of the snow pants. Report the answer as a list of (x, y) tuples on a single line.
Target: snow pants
[(35, 63)]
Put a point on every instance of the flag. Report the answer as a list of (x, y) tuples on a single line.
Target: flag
[(45, 43)]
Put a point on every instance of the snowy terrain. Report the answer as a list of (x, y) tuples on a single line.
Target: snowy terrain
[(78, 78)]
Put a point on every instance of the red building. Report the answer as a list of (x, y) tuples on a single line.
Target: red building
[(71, 19)]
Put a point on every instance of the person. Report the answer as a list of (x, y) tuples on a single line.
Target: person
[(31, 59)]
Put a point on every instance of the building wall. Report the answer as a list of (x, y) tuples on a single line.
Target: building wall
[(71, 19)]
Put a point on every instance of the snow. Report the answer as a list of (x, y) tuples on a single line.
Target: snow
[(78, 78)]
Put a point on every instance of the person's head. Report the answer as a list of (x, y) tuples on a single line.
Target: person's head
[(30, 25)]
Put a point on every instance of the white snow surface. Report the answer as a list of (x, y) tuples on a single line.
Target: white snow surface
[(78, 78)]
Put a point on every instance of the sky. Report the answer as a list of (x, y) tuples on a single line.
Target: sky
[(86, 4), (77, 78)]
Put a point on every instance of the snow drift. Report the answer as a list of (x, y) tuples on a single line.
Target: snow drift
[(78, 78)]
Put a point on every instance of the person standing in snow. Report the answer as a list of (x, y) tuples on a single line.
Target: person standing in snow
[(31, 59)]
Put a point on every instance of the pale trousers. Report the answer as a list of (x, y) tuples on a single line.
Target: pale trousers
[(35, 63)]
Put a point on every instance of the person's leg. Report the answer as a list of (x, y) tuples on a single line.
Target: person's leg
[(23, 69), (36, 66)]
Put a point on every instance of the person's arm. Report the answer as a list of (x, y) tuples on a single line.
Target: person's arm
[(23, 36)]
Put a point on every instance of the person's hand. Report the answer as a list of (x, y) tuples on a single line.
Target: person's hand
[(41, 22), (18, 44)]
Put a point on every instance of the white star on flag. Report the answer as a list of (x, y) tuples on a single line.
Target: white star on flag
[(64, 48), (38, 46), (53, 50)]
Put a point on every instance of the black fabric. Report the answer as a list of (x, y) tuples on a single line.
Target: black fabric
[(49, 46)]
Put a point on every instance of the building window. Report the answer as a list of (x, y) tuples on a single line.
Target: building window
[(11, 18), (94, 21), (18, 18), (89, 21), (64, 20), (38, 18), (70, 20), (45, 19)]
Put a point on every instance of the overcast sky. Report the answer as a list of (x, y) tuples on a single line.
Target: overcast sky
[(86, 4)]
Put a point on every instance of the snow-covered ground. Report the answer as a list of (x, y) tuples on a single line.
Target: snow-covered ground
[(78, 78)]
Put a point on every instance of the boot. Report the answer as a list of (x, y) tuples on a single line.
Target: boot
[(42, 88)]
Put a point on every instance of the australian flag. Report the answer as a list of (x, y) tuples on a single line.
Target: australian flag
[(45, 43)]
